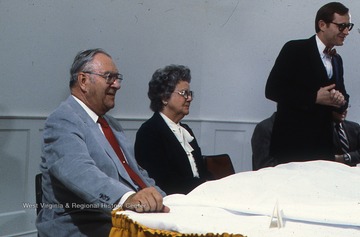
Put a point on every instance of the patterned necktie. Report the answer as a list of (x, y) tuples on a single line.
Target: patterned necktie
[(113, 142), (329, 51), (342, 137)]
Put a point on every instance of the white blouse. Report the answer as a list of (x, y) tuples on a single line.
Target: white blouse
[(184, 138)]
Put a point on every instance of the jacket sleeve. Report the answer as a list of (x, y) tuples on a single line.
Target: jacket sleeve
[(73, 170), (353, 131)]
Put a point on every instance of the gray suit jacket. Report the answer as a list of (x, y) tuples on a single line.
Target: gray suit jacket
[(82, 176)]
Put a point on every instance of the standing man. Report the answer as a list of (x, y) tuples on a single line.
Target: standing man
[(85, 172), (307, 83)]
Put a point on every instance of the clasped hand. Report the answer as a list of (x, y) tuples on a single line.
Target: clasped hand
[(146, 200), (329, 96)]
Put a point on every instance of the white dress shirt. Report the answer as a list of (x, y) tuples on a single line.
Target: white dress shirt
[(326, 59)]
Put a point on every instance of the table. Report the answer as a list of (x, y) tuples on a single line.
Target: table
[(315, 198)]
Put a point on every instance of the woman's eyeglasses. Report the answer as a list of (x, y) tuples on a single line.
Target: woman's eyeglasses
[(185, 93)]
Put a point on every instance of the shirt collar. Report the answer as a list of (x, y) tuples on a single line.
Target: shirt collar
[(173, 126), (91, 113), (321, 46)]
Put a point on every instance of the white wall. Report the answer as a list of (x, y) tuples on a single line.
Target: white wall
[(229, 45)]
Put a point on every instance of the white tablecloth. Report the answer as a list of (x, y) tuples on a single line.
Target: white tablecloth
[(317, 198)]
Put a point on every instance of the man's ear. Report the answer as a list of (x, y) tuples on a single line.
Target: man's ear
[(82, 80), (322, 24)]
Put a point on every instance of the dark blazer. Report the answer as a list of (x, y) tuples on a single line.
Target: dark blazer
[(260, 144), (302, 129), (82, 176), (159, 152), (352, 131)]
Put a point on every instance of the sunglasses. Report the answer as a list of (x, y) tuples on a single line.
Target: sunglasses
[(342, 26)]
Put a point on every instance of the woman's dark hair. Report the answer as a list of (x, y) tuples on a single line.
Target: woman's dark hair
[(163, 84)]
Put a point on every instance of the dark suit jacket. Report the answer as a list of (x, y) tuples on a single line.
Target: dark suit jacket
[(260, 144), (302, 129), (352, 131), (82, 176), (159, 152)]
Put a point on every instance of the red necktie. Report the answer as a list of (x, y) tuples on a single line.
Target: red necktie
[(112, 140)]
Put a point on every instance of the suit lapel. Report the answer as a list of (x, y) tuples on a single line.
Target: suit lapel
[(318, 65), (126, 148), (166, 131), (173, 143), (99, 136), (112, 155), (335, 65)]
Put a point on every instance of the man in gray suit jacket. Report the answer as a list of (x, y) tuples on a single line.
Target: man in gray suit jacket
[(82, 177)]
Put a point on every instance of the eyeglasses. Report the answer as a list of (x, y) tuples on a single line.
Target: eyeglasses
[(186, 94), (109, 77), (342, 26)]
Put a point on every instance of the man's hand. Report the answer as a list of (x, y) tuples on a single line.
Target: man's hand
[(146, 200), (329, 96), (339, 158)]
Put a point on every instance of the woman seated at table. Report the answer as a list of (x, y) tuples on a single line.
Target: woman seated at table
[(164, 146)]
